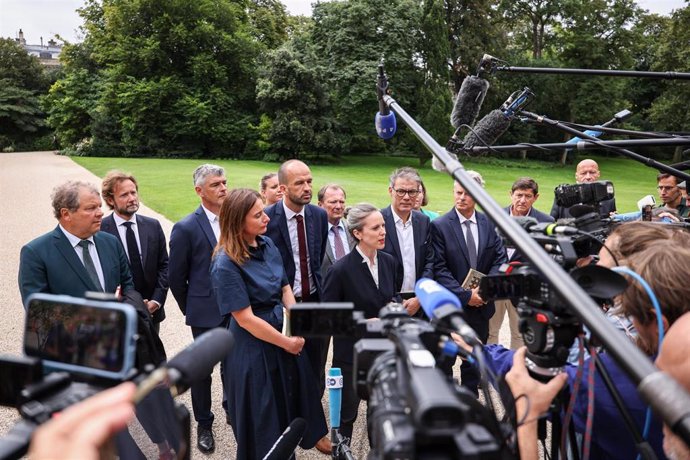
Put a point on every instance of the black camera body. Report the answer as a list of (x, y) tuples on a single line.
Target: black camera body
[(75, 348), (414, 409), (590, 193)]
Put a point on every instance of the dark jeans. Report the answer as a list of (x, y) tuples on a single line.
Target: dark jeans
[(201, 391)]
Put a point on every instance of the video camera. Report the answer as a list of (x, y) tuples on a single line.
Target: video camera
[(591, 193), (547, 325), (75, 348), (414, 410)]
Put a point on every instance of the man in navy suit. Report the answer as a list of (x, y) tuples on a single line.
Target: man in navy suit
[(141, 237), (191, 246), (462, 239), (74, 257), (407, 234), (523, 194), (300, 231)]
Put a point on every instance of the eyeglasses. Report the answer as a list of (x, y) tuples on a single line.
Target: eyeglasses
[(666, 188), (402, 192)]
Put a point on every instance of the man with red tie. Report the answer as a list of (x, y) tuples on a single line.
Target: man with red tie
[(300, 231), (331, 198)]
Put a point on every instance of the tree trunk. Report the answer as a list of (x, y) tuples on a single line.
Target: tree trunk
[(677, 155)]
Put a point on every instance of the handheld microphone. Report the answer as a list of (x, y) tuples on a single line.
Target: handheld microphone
[(444, 306), (191, 365), (384, 121), (285, 445), (334, 383)]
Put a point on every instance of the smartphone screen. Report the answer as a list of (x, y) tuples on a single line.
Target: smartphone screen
[(79, 335), (322, 319)]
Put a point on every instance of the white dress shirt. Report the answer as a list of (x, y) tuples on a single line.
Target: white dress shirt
[(122, 231), (406, 241), (213, 220), (373, 268), (292, 229), (74, 241), (474, 227)]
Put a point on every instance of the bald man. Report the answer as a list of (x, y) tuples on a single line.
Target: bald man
[(586, 171), (673, 359)]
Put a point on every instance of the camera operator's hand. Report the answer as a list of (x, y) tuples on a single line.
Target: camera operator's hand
[(475, 299), (411, 305), (294, 345), (532, 398), (81, 430)]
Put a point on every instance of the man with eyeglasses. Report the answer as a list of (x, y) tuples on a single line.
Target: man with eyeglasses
[(407, 234), (670, 194)]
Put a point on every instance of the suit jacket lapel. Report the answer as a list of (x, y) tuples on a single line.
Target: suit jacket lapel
[(482, 230), (459, 235), (63, 245), (143, 229), (392, 232), (309, 229), (202, 219), (363, 268), (282, 224)]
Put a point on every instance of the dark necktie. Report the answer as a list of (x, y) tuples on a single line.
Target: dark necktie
[(89, 265), (134, 257), (303, 266), (471, 246), (339, 248)]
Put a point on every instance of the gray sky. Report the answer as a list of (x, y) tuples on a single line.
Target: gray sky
[(45, 18)]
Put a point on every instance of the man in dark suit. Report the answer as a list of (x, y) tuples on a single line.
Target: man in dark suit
[(142, 237), (331, 198), (465, 239), (191, 246), (74, 257), (407, 234), (585, 172), (300, 231), (523, 194)]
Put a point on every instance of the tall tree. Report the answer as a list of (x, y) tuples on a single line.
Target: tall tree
[(351, 38), (531, 22), (22, 79), (295, 101)]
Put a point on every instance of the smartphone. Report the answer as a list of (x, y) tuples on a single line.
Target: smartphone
[(82, 336)]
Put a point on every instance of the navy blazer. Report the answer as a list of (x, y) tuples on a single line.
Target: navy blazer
[(423, 250), (50, 264), (451, 261), (533, 213), (316, 227), (349, 280), (154, 259), (191, 245)]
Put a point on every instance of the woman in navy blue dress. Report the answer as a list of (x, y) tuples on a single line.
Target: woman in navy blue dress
[(268, 382)]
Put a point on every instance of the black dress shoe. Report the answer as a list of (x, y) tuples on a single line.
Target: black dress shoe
[(204, 439)]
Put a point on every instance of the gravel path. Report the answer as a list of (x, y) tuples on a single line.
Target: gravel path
[(26, 182)]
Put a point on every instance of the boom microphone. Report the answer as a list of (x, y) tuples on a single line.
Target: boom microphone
[(487, 131), (384, 121), (445, 307), (531, 224), (286, 444), (469, 101)]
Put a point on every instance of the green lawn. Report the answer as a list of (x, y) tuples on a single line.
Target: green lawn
[(166, 184)]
